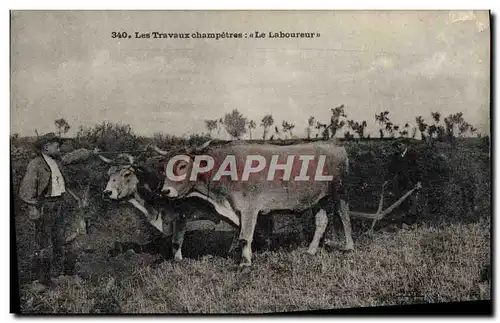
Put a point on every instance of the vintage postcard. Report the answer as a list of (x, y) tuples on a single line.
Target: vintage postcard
[(250, 161)]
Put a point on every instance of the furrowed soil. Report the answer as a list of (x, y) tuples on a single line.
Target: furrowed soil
[(416, 264)]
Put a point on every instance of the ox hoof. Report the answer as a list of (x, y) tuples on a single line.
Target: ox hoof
[(244, 268), (235, 257), (347, 249), (311, 252), (245, 264), (329, 245), (370, 233), (177, 257)]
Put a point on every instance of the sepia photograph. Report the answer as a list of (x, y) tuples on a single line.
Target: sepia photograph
[(250, 161)]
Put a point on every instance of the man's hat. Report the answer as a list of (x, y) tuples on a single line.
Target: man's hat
[(47, 138)]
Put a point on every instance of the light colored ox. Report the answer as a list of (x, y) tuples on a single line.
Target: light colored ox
[(258, 195)]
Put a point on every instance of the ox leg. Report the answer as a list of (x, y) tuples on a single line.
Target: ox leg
[(346, 222), (264, 230), (321, 224), (248, 222), (330, 233), (179, 230), (234, 244)]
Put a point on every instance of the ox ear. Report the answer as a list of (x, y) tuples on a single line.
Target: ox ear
[(128, 172), (112, 170)]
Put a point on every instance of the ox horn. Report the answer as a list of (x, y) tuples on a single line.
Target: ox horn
[(130, 157), (159, 151), (106, 160), (203, 147)]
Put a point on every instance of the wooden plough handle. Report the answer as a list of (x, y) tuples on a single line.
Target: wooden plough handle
[(380, 214)]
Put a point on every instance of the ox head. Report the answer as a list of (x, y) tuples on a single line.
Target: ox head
[(122, 182), (177, 182)]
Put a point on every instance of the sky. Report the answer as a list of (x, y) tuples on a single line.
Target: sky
[(65, 64)]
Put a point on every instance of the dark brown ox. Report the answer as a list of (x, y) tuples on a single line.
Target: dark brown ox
[(260, 196), (139, 185)]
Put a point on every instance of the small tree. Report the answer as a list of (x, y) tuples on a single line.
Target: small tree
[(361, 129), (463, 128), (382, 119), (474, 131), (211, 125), (266, 122), (277, 131), (422, 126), (323, 130), (436, 116), (455, 125), (358, 128), (395, 128), (235, 124), (62, 126), (389, 127), (404, 131), (335, 121), (351, 124), (414, 132), (251, 125), (14, 138), (436, 130), (448, 124), (348, 135), (220, 125), (287, 127), (310, 124)]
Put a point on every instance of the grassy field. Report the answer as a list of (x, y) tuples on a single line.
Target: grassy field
[(417, 264), (443, 256)]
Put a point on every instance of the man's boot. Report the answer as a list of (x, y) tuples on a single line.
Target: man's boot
[(57, 267), (58, 259), (42, 271)]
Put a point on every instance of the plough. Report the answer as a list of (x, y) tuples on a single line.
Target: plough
[(380, 214)]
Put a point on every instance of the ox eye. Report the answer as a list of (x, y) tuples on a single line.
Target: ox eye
[(183, 166), (126, 174)]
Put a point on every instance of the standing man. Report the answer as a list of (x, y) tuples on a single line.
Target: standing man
[(44, 190)]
